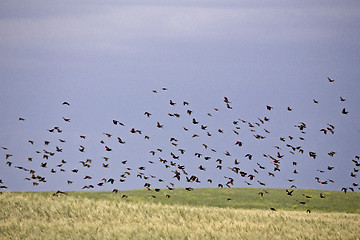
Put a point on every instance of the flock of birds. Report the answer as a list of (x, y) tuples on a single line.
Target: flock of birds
[(172, 158)]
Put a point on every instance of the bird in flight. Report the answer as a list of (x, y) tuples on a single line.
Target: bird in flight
[(226, 100), (66, 119)]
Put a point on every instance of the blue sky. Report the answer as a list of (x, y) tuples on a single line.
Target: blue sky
[(106, 58)]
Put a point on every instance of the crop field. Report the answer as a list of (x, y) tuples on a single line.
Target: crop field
[(197, 214)]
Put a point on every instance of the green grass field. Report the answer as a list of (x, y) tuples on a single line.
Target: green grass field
[(198, 214)]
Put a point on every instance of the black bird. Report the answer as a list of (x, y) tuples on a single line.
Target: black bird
[(66, 119), (59, 192), (307, 196), (289, 192), (226, 100)]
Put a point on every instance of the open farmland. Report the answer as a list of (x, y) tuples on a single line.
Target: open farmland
[(204, 214)]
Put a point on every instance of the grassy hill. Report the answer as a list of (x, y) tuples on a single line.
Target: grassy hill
[(247, 198), (197, 214)]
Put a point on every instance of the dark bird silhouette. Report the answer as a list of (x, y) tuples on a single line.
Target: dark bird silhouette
[(82, 148), (261, 183), (289, 192), (158, 125), (66, 119), (312, 154), (307, 196), (226, 100), (59, 192), (344, 111)]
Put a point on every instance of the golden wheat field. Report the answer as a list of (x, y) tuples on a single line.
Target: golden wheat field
[(42, 216)]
